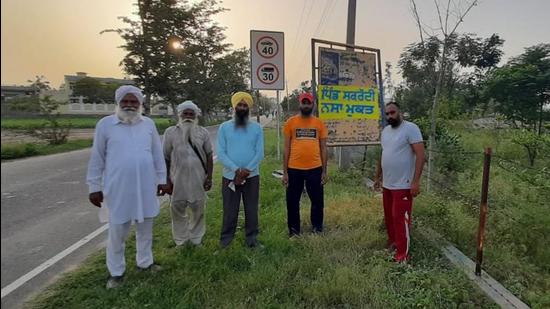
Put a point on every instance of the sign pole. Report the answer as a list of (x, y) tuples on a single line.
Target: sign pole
[(278, 129)]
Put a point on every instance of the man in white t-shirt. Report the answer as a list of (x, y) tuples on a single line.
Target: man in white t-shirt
[(399, 172)]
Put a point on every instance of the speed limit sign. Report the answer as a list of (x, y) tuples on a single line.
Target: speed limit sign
[(267, 73), (267, 60)]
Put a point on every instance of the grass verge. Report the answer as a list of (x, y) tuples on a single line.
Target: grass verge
[(344, 267), (23, 150)]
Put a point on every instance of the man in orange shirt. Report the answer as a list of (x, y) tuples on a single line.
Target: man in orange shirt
[(305, 161)]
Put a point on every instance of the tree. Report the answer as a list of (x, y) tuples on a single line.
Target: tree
[(534, 144), (176, 52), (94, 90), (522, 87), (30, 103), (419, 65), (39, 84), (446, 31)]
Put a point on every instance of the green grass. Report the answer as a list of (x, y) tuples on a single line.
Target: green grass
[(23, 150), (74, 122), (517, 243), (346, 267)]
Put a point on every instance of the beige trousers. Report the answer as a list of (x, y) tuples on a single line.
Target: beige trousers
[(188, 222)]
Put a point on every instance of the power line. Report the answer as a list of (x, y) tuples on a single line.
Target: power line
[(304, 53), (299, 26), (324, 15)]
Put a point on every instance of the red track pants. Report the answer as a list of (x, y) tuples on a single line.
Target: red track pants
[(397, 216)]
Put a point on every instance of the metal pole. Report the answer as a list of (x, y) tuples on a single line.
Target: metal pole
[(483, 210), (258, 106), (313, 76), (350, 40), (350, 33), (278, 129)]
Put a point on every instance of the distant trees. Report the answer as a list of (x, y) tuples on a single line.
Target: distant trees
[(521, 88), (94, 90)]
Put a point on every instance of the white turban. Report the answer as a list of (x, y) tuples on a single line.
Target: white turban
[(188, 105), (122, 91)]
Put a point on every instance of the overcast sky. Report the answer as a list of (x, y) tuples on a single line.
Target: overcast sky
[(58, 37)]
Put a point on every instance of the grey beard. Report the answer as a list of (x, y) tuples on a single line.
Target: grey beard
[(128, 116), (189, 129)]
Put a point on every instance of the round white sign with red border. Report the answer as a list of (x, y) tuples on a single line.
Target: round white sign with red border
[(267, 47), (268, 73)]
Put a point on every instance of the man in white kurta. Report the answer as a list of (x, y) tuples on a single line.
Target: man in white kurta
[(190, 174), (125, 173)]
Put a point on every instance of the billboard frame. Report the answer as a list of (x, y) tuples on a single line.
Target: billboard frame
[(379, 79)]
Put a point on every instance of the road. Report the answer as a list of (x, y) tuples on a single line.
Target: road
[(44, 211)]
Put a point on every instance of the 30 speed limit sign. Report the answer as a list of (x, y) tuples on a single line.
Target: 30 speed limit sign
[(267, 60)]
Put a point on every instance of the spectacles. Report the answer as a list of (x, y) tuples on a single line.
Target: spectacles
[(390, 113), (307, 102)]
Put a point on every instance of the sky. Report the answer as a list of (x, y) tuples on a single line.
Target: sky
[(61, 37)]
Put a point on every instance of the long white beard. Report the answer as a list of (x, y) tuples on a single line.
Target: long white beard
[(189, 128), (128, 116)]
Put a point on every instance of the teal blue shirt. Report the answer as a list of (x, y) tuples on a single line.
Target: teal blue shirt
[(240, 147)]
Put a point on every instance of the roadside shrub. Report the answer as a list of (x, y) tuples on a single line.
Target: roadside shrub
[(18, 151)]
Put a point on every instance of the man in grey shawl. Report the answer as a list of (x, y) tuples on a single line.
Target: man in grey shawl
[(189, 161)]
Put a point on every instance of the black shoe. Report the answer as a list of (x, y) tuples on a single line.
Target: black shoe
[(317, 230), (154, 268)]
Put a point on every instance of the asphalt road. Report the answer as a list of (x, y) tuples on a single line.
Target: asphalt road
[(44, 211)]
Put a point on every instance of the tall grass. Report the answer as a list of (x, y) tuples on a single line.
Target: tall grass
[(23, 150), (517, 243), (345, 267)]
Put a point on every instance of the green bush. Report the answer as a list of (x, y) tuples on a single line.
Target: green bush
[(15, 151)]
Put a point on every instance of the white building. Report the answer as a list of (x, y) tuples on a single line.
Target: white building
[(79, 106)]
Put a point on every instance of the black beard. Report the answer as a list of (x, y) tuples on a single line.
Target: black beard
[(306, 111), (241, 116), (393, 122)]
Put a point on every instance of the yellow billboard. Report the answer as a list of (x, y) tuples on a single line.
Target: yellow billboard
[(347, 102)]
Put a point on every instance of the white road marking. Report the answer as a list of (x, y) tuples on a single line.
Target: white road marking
[(33, 273)]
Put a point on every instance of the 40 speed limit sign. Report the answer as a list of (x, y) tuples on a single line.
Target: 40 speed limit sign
[(267, 60)]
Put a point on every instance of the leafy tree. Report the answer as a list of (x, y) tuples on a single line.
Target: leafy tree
[(94, 90), (450, 16), (39, 84), (24, 104), (30, 103), (522, 87), (52, 130), (419, 65), (534, 144), (176, 52)]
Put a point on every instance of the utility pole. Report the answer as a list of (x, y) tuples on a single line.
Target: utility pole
[(345, 157), (350, 33)]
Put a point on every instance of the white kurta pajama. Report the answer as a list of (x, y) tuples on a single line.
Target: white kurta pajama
[(127, 164), (188, 175)]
